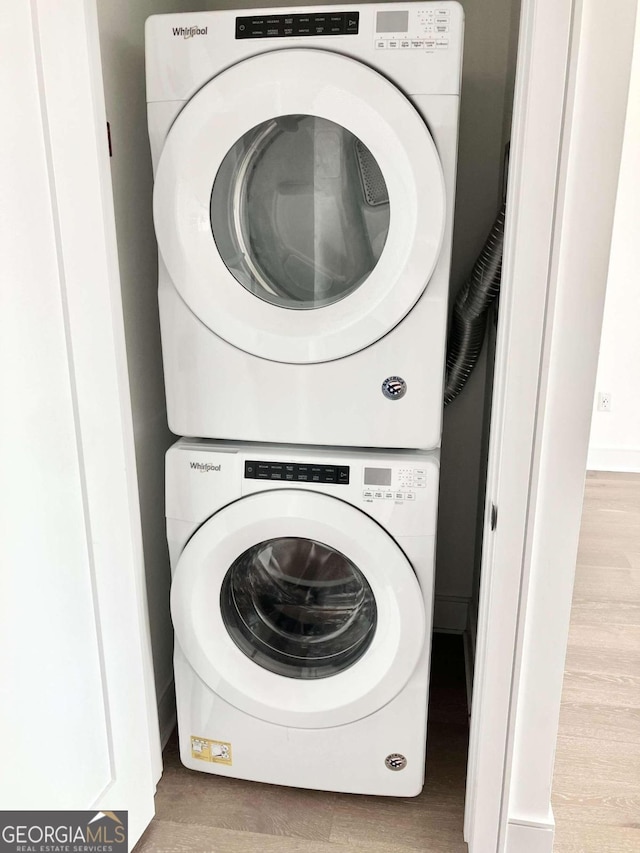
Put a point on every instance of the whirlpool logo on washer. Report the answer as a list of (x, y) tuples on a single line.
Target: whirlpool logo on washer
[(204, 467), (189, 32)]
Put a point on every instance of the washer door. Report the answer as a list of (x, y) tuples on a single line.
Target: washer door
[(298, 609), (299, 205)]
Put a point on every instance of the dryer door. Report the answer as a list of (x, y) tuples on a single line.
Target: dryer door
[(299, 205), (298, 609)]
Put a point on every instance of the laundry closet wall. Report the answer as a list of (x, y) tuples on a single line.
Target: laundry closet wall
[(486, 100), (121, 24)]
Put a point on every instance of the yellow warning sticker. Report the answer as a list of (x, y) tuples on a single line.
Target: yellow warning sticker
[(216, 751)]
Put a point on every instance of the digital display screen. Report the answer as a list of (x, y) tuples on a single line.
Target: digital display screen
[(377, 476), (392, 22)]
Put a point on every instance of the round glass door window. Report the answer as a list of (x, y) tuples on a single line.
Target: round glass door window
[(298, 608), (300, 211)]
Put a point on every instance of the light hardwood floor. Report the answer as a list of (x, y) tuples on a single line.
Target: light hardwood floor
[(596, 791), (596, 796)]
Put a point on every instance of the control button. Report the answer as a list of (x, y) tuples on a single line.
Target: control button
[(343, 475), (442, 19), (351, 23), (421, 484), (442, 45), (329, 475), (443, 12), (367, 495), (380, 45), (410, 496), (441, 29), (250, 469), (378, 495), (420, 472), (302, 477), (399, 496), (263, 471), (289, 475), (405, 44), (430, 44), (388, 496), (417, 44), (394, 44)]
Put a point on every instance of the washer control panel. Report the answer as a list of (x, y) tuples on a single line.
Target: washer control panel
[(296, 472), (333, 23), (394, 484), (418, 29)]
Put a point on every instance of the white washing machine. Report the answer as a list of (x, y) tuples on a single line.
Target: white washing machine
[(302, 584), (304, 165)]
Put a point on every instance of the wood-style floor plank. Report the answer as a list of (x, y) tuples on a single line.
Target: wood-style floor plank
[(601, 688), (596, 838), (596, 791)]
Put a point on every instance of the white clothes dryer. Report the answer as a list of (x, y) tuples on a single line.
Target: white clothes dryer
[(302, 588), (304, 164)]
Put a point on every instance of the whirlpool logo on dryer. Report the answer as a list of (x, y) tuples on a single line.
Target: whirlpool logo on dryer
[(204, 467), (190, 32)]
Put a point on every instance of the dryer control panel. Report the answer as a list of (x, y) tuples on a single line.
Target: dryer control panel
[(296, 472), (333, 23), (425, 28)]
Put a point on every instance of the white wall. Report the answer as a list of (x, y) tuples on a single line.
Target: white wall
[(614, 444)]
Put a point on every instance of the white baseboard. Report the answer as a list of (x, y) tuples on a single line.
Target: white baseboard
[(614, 459), (529, 837), (450, 614), (167, 712)]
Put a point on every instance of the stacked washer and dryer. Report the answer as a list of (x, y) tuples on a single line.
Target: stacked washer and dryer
[(304, 163)]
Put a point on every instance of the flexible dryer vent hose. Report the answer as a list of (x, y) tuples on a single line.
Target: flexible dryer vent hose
[(470, 312)]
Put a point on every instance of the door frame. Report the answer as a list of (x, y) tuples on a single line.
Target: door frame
[(568, 122), (69, 79)]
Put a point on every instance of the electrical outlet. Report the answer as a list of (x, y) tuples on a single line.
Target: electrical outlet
[(604, 401)]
